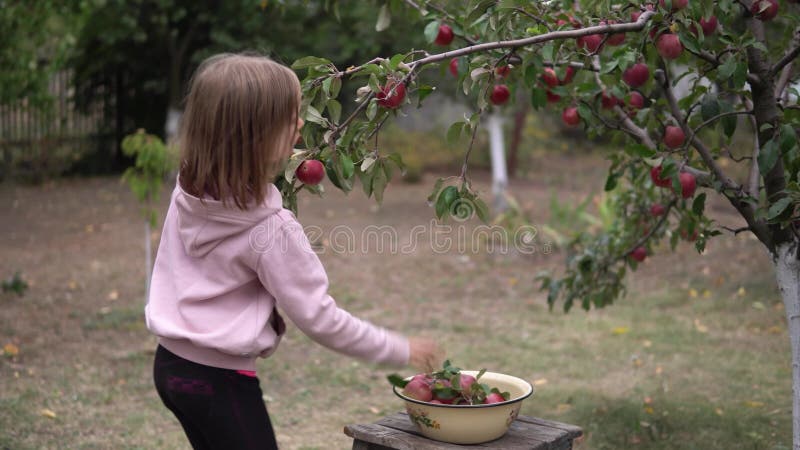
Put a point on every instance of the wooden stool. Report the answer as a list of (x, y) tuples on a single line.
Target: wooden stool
[(396, 432)]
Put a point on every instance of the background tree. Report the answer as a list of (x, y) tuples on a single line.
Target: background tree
[(138, 55), (576, 56)]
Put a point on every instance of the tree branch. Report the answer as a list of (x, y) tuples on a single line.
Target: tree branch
[(643, 240), (790, 55), (705, 152), (754, 177), (730, 189), (546, 37)]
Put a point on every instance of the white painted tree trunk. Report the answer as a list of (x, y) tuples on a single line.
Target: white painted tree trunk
[(494, 124), (171, 125), (787, 270), (148, 256)]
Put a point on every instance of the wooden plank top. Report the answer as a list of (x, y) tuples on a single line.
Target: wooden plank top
[(529, 433)]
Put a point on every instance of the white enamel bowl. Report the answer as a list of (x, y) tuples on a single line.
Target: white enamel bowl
[(470, 424)]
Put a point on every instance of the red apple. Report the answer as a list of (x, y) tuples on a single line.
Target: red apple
[(655, 175), (764, 10), (636, 75), (466, 382), (502, 71), (609, 101), (551, 97), (591, 42), (445, 36), (390, 100), (639, 254), (454, 67), (500, 94), (614, 39), (657, 209), (549, 77), (494, 397), (673, 136), (569, 74), (418, 389), (570, 116), (635, 101), (688, 184), (709, 25), (676, 4), (669, 46), (310, 171)]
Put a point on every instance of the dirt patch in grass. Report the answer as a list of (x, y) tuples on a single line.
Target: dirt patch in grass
[(696, 356)]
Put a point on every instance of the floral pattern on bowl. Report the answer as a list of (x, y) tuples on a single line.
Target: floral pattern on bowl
[(421, 418)]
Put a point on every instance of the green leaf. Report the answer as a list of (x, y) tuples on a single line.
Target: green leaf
[(379, 182), (481, 209), (727, 68), (611, 181), (314, 116), (728, 122), (431, 31), (788, 138), (397, 380), (372, 109), (689, 41), (436, 187), (767, 156), (348, 168), (640, 150), (454, 132), (384, 18), (423, 91), (538, 98), (699, 204), (777, 208), (710, 107), (309, 61), (334, 110)]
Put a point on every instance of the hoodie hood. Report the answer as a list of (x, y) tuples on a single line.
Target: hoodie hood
[(202, 225)]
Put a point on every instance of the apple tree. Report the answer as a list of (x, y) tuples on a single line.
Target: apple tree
[(670, 81)]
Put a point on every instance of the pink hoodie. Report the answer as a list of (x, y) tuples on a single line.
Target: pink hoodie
[(221, 273)]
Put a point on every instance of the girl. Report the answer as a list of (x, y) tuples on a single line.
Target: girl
[(230, 256)]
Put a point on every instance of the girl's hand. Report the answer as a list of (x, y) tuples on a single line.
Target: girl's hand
[(424, 354)]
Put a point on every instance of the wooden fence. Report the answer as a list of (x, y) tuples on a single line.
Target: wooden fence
[(43, 142)]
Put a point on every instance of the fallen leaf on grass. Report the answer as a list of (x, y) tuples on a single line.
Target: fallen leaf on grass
[(563, 407), (113, 295), (620, 331), (374, 410), (540, 382), (759, 306), (719, 412), (647, 344), (700, 327), (741, 292), (10, 350), (49, 413), (775, 329), (693, 293), (753, 404)]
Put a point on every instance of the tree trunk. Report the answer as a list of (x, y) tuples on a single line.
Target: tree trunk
[(516, 136), (498, 157), (787, 270)]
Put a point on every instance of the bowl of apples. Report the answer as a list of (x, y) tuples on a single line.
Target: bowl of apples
[(462, 406)]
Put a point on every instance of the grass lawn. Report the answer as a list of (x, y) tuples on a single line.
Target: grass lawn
[(696, 355)]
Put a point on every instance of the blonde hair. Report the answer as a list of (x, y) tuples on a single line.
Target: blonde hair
[(240, 117)]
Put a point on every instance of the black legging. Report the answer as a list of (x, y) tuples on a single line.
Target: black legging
[(218, 408)]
